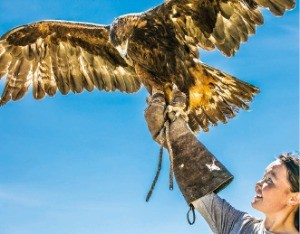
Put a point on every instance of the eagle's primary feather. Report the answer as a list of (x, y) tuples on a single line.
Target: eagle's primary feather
[(157, 48)]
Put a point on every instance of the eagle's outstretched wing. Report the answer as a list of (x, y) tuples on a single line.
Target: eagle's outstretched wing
[(223, 24), (218, 23), (51, 55)]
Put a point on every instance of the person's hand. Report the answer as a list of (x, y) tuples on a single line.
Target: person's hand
[(154, 115), (157, 114)]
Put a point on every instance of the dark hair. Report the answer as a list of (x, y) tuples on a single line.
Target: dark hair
[(292, 164)]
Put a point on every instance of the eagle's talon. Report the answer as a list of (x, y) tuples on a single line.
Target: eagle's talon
[(174, 112)]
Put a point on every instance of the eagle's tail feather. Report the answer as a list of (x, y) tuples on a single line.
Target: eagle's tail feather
[(216, 96)]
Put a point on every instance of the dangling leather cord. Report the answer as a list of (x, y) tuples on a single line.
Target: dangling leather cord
[(192, 209), (164, 131), (157, 174), (171, 155)]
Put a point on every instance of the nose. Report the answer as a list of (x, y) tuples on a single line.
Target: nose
[(258, 185)]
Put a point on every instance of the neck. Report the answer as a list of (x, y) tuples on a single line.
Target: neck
[(282, 222)]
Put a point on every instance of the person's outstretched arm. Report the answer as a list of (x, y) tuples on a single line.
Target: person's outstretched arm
[(198, 173)]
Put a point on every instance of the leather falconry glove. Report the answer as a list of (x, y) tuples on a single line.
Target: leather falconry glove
[(196, 170)]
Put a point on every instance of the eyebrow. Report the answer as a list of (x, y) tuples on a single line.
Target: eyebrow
[(271, 173)]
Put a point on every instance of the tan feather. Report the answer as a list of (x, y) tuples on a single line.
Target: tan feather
[(287, 4), (97, 74), (192, 122), (5, 60), (225, 108), (202, 119), (130, 84), (217, 111), (226, 9), (88, 63), (62, 55), (216, 96), (9, 84), (219, 32), (257, 17), (201, 20), (20, 77), (103, 74), (49, 78), (57, 68), (241, 27), (62, 66), (13, 88), (277, 7), (119, 77), (16, 52), (86, 73), (42, 49), (38, 88), (76, 82), (29, 51)]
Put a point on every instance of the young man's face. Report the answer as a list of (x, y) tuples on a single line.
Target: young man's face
[(273, 191)]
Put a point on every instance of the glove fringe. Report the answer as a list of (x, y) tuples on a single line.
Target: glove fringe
[(156, 175), (166, 131), (171, 155)]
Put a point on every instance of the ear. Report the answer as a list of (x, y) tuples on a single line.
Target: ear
[(294, 199)]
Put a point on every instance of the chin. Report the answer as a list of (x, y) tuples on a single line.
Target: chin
[(254, 204)]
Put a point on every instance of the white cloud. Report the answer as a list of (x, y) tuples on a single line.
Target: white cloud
[(19, 196)]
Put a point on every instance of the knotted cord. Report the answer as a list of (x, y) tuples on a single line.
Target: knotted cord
[(164, 131), (171, 155), (157, 174)]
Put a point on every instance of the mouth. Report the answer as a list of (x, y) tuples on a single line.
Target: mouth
[(258, 196)]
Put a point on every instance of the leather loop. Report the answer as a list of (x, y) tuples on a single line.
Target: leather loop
[(188, 216)]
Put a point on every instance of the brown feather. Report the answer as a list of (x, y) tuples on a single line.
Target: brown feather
[(65, 56), (88, 62), (202, 120), (193, 124), (119, 73), (157, 48), (46, 76), (215, 95), (38, 89), (75, 79), (5, 60), (226, 9), (200, 20), (97, 74), (86, 73), (20, 77)]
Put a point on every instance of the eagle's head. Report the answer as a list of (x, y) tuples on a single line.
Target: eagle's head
[(121, 30)]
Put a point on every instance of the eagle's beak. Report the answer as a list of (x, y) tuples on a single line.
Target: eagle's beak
[(122, 49)]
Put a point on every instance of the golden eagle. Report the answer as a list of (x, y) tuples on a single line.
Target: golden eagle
[(157, 48)]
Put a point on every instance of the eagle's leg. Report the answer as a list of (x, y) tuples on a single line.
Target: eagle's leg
[(168, 91), (175, 102), (164, 93)]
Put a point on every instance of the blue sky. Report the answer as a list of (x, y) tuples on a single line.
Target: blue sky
[(84, 163)]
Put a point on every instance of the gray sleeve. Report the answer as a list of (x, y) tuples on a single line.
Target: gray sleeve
[(219, 214)]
